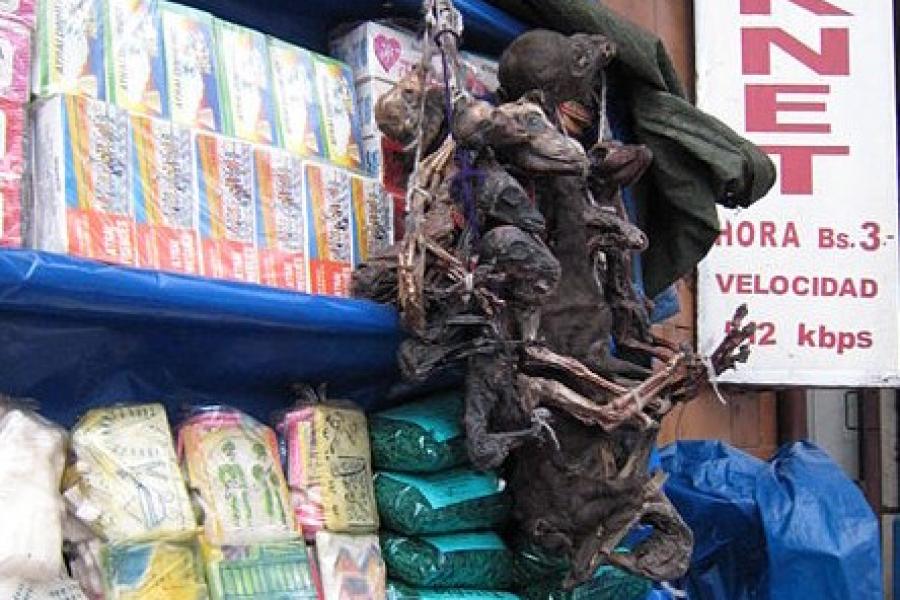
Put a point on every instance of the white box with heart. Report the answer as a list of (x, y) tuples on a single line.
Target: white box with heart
[(376, 51)]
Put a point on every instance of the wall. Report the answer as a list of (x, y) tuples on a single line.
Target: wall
[(748, 420)]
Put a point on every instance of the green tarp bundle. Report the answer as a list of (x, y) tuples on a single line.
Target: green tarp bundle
[(698, 160)]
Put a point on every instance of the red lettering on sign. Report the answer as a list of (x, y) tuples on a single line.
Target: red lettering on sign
[(832, 59), (818, 7), (797, 165), (763, 106)]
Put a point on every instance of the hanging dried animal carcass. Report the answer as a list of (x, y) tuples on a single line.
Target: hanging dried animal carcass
[(517, 264)]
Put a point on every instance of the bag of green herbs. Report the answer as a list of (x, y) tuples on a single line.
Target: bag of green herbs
[(448, 502), (425, 436), (400, 591), (461, 560)]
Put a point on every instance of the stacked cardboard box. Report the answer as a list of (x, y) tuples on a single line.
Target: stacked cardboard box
[(379, 56), (171, 140)]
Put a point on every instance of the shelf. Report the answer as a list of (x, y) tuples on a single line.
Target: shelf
[(75, 333)]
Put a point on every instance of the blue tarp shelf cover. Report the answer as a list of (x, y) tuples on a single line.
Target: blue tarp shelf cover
[(487, 29), (75, 333)]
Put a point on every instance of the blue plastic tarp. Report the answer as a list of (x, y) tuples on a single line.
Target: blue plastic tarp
[(487, 29), (75, 333), (794, 527)]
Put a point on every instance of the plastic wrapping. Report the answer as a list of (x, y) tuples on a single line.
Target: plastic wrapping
[(447, 502), (126, 480), (228, 228), (350, 566), (376, 51), (608, 583), (329, 197), (373, 218), (15, 61), (86, 566), (232, 464), (297, 109), (463, 560), (281, 218), (245, 83), (337, 99), (82, 201), (153, 571), (11, 216), (329, 469), (273, 571), (166, 210), (69, 56), (367, 94), (190, 52), (425, 436), (399, 591), (136, 71), (32, 457), (12, 138), (20, 589), (22, 11)]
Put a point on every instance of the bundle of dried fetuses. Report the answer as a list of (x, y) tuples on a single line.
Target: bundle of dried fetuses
[(517, 263)]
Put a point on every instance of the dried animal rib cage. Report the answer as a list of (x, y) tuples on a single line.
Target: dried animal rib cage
[(517, 264)]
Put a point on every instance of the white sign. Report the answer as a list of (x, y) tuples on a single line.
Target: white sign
[(816, 261)]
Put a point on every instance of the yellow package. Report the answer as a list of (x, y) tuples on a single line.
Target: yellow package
[(329, 466), (127, 482), (153, 571), (233, 464)]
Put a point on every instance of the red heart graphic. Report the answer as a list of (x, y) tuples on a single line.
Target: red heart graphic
[(387, 51)]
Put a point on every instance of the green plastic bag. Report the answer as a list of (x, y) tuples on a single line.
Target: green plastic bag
[(399, 591), (421, 437), (463, 560), (449, 502)]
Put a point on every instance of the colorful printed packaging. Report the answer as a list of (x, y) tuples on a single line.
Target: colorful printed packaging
[(12, 230), (70, 49), (153, 571), (384, 160), (482, 74), (165, 196), (351, 566), (281, 217), (126, 482), (329, 201), (233, 465), (225, 189), (82, 202), (329, 469), (269, 571), (296, 101), (12, 138), (367, 94), (376, 51), (337, 97), (245, 83), (373, 218), (136, 71), (22, 11), (190, 51), (15, 61)]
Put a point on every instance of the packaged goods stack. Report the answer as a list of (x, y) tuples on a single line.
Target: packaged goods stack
[(438, 513), (132, 529), (379, 55), (168, 139), (328, 464), (32, 458), (17, 21), (249, 544)]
